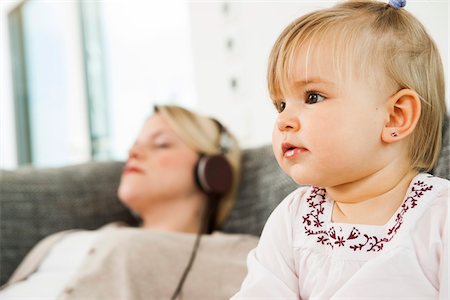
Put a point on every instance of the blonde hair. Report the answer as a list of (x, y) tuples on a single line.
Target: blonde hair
[(204, 135), (375, 38)]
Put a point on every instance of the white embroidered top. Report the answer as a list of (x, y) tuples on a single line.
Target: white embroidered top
[(303, 255)]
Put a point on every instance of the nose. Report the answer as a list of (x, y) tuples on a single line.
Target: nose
[(135, 151), (288, 122)]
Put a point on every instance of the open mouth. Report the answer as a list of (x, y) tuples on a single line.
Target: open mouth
[(290, 151)]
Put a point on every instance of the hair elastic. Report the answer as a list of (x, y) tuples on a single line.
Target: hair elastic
[(397, 4)]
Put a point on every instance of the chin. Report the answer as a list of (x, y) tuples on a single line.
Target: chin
[(305, 177), (302, 180), (125, 194), (129, 200)]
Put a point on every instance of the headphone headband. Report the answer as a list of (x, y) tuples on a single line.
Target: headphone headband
[(225, 140)]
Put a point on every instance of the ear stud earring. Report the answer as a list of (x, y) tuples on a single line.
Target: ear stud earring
[(394, 134)]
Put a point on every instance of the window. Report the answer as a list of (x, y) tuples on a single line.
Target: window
[(86, 74)]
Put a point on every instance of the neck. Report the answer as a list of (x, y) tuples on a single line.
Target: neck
[(371, 200), (179, 215)]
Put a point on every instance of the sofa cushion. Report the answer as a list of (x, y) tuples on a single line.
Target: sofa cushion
[(442, 168), (37, 202)]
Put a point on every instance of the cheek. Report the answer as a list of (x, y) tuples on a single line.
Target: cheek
[(276, 143), (274, 138), (176, 161), (177, 166), (170, 161)]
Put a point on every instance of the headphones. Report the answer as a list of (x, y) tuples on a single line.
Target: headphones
[(213, 173), (214, 176)]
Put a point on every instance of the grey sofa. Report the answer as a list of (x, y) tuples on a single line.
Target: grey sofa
[(37, 202)]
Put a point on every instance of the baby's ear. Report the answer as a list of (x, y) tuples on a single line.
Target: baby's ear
[(403, 110)]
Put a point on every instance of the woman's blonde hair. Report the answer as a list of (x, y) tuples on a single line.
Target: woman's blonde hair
[(203, 135), (367, 38)]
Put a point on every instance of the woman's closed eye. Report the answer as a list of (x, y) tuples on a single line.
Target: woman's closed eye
[(161, 140), (161, 145), (313, 97)]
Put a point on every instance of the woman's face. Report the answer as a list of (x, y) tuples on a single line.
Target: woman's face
[(160, 168)]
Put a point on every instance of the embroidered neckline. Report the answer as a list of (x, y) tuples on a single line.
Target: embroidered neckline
[(356, 240)]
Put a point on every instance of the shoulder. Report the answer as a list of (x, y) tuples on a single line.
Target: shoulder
[(431, 225), (442, 187), (37, 254), (114, 225), (293, 201), (439, 190), (293, 204), (429, 231), (280, 221), (235, 243)]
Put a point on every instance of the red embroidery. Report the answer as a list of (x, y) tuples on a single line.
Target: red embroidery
[(314, 223)]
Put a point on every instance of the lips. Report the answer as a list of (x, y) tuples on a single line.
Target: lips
[(132, 169), (290, 150)]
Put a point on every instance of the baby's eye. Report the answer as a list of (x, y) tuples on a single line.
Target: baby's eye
[(313, 97), (281, 106)]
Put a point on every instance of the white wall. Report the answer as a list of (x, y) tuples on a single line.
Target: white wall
[(148, 61), (254, 26)]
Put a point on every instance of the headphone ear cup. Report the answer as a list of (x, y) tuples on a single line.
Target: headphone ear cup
[(214, 174)]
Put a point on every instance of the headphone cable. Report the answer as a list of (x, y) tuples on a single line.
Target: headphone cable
[(188, 267), (202, 229)]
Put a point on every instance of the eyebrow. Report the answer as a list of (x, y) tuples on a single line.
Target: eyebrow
[(158, 133), (312, 80)]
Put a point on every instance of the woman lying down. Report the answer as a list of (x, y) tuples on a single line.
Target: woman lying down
[(170, 180)]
